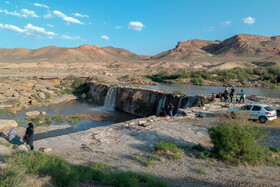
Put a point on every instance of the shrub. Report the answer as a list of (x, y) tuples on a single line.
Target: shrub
[(100, 165), (197, 80), (198, 147), (241, 143)]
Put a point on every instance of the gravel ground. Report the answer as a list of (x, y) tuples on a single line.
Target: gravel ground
[(119, 143)]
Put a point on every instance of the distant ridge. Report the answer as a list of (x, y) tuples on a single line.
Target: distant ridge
[(241, 46)]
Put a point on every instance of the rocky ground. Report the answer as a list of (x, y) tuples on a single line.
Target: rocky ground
[(120, 144)]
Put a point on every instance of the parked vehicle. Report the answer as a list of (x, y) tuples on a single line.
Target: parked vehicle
[(278, 111), (260, 112)]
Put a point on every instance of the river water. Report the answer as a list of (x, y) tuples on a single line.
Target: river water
[(74, 107), (193, 90)]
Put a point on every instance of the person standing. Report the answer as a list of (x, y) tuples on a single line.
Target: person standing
[(231, 94), (29, 135), (225, 96), (170, 109), (242, 97)]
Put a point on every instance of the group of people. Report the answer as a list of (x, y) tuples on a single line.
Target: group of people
[(16, 140), (225, 95)]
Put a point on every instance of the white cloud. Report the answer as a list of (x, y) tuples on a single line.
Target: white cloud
[(40, 5), (7, 2), (226, 23), (118, 27), (48, 16), (67, 37), (81, 15), (249, 20), (136, 25), (29, 13), (208, 29), (11, 28), (29, 31), (50, 25), (66, 18), (38, 32), (103, 37), (24, 13)]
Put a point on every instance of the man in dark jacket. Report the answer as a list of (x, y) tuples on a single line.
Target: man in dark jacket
[(29, 135)]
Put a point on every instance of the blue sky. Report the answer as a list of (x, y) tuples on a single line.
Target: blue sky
[(145, 27)]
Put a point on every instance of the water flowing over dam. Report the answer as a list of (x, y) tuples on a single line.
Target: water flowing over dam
[(110, 99)]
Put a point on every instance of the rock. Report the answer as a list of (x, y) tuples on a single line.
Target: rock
[(32, 114), (44, 113), (8, 124), (47, 150), (39, 87), (83, 96), (42, 95), (33, 102), (23, 148)]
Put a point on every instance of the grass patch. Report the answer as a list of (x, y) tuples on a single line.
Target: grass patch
[(11, 177), (100, 165), (64, 175), (146, 162), (170, 149), (201, 171), (75, 119), (36, 97), (58, 118), (5, 143)]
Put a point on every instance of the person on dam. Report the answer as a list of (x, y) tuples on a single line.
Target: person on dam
[(242, 97), (170, 109), (29, 135), (213, 96), (231, 94), (225, 96)]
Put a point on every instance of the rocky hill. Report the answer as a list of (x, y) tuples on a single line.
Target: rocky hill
[(241, 50)]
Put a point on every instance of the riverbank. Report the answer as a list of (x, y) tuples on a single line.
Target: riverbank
[(128, 146)]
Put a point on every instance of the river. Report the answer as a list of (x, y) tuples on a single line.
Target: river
[(193, 90)]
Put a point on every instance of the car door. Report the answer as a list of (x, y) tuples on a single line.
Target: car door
[(255, 112), (246, 110)]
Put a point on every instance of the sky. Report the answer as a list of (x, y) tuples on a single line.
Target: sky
[(145, 27)]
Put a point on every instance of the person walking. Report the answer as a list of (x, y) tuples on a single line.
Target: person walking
[(242, 97), (231, 94), (170, 109), (29, 135)]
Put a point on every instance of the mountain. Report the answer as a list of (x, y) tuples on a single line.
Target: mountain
[(192, 53)]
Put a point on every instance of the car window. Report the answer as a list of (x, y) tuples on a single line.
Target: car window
[(256, 108), (246, 107), (268, 108)]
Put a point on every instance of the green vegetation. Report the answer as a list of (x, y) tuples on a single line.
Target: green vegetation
[(98, 79), (11, 177), (170, 149), (236, 143), (58, 118), (178, 92), (36, 97), (100, 165), (75, 119), (64, 175), (201, 171), (48, 95), (270, 74), (146, 162), (198, 147), (5, 143)]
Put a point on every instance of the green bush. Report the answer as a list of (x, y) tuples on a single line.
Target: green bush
[(197, 80), (241, 143), (75, 119), (170, 149), (58, 118)]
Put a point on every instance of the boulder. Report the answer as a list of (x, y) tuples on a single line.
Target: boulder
[(83, 96), (23, 148), (8, 124), (44, 113), (32, 114), (42, 95)]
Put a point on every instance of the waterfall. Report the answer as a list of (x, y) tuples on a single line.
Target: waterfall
[(161, 105), (110, 99), (181, 98), (188, 103)]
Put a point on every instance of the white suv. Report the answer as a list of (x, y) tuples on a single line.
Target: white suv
[(260, 112)]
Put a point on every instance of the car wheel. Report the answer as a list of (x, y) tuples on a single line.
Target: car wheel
[(233, 116), (263, 119)]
